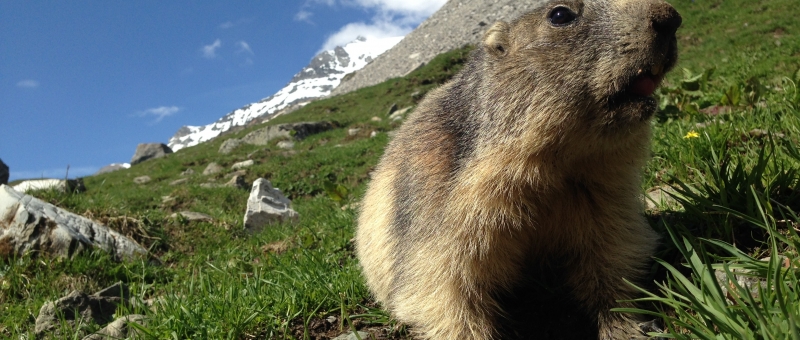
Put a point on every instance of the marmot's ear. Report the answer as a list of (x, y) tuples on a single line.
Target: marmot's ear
[(495, 41)]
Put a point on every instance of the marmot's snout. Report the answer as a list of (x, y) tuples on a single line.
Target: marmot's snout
[(665, 19)]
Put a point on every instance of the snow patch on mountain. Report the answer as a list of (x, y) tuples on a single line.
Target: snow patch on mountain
[(316, 80)]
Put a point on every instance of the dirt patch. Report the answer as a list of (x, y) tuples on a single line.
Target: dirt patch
[(276, 248)]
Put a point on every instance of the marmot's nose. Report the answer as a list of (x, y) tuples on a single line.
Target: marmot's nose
[(665, 18)]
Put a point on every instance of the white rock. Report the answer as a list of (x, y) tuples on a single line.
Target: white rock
[(353, 132), (29, 224), (193, 216), (352, 336), (244, 164), (373, 134), (397, 115), (267, 205), (45, 184), (285, 144), (141, 179)]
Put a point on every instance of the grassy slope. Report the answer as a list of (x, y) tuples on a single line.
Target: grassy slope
[(216, 281)]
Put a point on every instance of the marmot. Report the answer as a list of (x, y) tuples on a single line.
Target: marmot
[(533, 153)]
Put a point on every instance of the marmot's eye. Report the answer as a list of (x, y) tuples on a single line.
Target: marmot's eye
[(560, 16)]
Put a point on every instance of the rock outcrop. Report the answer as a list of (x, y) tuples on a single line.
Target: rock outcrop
[(263, 136), (29, 224), (147, 151), (4, 172), (267, 205), (456, 24)]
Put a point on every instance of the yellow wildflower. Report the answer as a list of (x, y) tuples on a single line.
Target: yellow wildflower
[(691, 134)]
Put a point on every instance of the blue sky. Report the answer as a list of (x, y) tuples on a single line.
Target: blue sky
[(82, 83)]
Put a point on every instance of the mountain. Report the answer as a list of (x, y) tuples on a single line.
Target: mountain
[(316, 80)]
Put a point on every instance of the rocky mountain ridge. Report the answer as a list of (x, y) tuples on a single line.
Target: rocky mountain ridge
[(456, 24), (325, 71)]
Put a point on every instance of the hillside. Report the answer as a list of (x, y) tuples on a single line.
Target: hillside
[(726, 139)]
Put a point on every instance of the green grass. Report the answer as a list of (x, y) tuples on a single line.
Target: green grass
[(738, 203)]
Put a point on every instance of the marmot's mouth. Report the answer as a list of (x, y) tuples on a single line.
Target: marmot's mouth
[(640, 86), (645, 83)]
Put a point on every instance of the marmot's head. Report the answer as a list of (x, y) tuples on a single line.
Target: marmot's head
[(598, 59)]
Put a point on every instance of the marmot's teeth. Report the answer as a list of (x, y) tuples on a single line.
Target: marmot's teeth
[(656, 70), (639, 72)]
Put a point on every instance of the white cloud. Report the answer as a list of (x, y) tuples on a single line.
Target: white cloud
[(351, 31), (304, 15), (230, 24), (413, 8), (244, 47), (210, 51), (159, 112), (28, 84), (392, 18)]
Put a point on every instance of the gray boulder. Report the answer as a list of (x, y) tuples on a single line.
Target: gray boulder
[(229, 145), (29, 224), (267, 205), (4, 172), (77, 309), (212, 168), (150, 151)]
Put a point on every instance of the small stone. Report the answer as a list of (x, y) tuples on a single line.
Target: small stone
[(187, 172), (373, 134), (236, 173), (658, 197), (399, 114), (212, 168), (392, 109), (760, 133), (237, 181), (193, 216), (285, 144), (352, 336), (141, 179), (119, 328), (243, 164), (165, 199), (179, 181), (376, 119), (353, 132)]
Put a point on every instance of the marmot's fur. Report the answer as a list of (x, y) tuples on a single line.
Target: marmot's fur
[(532, 154)]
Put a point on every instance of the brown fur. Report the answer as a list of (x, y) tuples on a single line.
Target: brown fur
[(528, 156)]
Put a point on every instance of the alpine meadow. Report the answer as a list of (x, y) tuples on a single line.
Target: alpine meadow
[(722, 187)]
